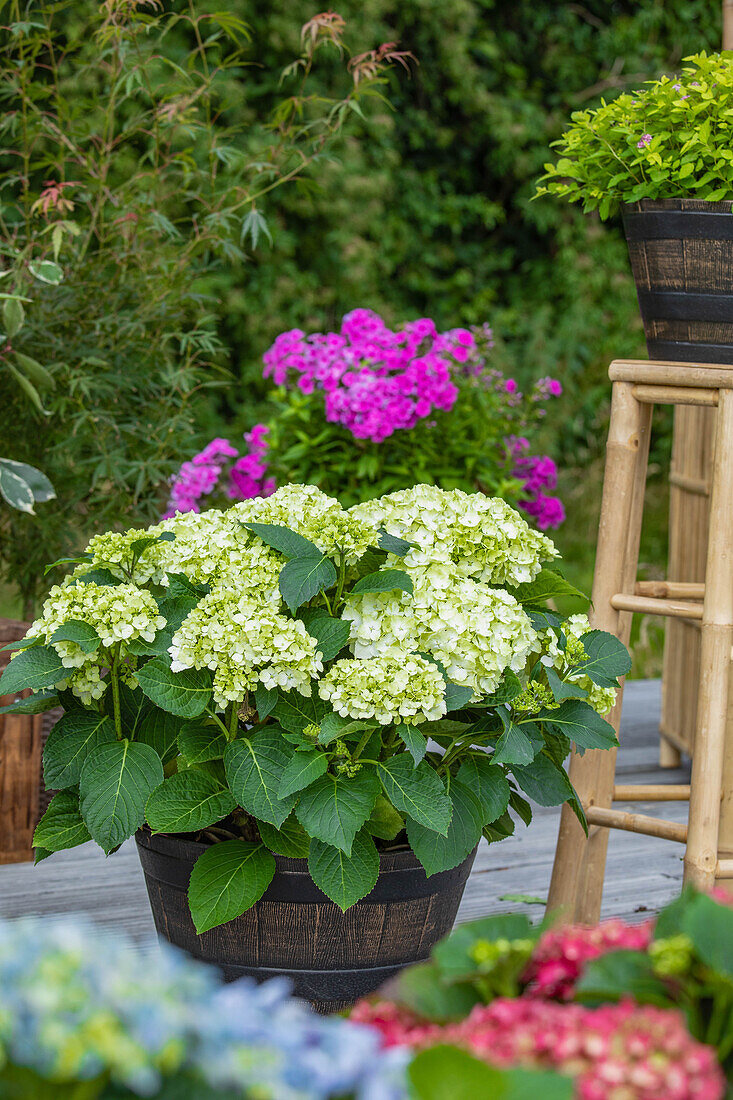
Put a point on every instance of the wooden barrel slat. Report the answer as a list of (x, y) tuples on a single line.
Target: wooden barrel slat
[(681, 247), (295, 930)]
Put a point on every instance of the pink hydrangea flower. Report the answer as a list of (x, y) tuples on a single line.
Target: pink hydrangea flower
[(560, 956)]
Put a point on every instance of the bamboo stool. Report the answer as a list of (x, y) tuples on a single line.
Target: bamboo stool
[(577, 879)]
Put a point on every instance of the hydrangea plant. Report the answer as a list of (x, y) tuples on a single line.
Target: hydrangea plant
[(291, 677), (670, 140)]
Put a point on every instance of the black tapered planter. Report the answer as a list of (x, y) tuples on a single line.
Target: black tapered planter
[(681, 253), (295, 931)]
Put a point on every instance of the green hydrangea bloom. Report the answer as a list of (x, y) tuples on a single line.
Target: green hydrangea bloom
[(407, 689)]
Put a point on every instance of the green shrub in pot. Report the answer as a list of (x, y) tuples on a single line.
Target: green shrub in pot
[(292, 677), (669, 140)]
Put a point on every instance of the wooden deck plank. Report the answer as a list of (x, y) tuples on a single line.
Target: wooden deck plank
[(643, 872)]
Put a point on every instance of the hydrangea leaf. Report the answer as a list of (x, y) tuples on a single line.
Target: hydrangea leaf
[(414, 741), (134, 705), (227, 880), (345, 879), (303, 578), (34, 704), (265, 701), (62, 825), (384, 821), (199, 742), (335, 807), (335, 725), (187, 802), (456, 696), (283, 539), (330, 634), (290, 840), (160, 730), (116, 781), (488, 783), (69, 743), (186, 693), (440, 853), (295, 711), (514, 746), (35, 668), (416, 791), (254, 767), (582, 724), (547, 585), (386, 580), (82, 634), (393, 544), (606, 659), (304, 768), (562, 689)]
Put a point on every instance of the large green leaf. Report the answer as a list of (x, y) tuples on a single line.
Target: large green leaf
[(160, 730), (304, 768), (117, 779), (620, 974), (40, 487), (440, 853), (582, 724), (185, 693), (414, 741), (417, 792), (384, 580), (335, 807), (16, 491), (290, 840), (62, 825), (384, 821), (456, 696), (281, 538), (488, 783), (447, 1073), (544, 782), (294, 711), (227, 879), (345, 879), (187, 802), (330, 634), (709, 925), (607, 658), (36, 668), (454, 954), (515, 746), (547, 585), (303, 578), (421, 988), (134, 705), (254, 769), (81, 633), (199, 742), (34, 704), (69, 743)]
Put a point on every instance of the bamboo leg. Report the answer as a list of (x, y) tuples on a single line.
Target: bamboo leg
[(709, 762), (577, 877), (669, 755)]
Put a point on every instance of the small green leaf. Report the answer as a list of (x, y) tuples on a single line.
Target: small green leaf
[(385, 580), (414, 741), (345, 879), (160, 730), (254, 768), (16, 491), (61, 826), (33, 370), (393, 544), (13, 316), (514, 746), (227, 880), (440, 853), (265, 701), (185, 693), (38, 483), (562, 690), (281, 538), (384, 822), (544, 782), (607, 658), (47, 272), (187, 802), (294, 711), (36, 668), (34, 704), (303, 578), (290, 840), (488, 783), (304, 768), (330, 634), (417, 792), (116, 781), (581, 723), (69, 743), (456, 696), (199, 742), (547, 585), (334, 808), (83, 635)]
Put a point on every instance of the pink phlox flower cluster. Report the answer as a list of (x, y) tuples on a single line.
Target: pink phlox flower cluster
[(644, 140), (200, 476), (247, 477), (616, 1052), (375, 380), (560, 955), (537, 472)]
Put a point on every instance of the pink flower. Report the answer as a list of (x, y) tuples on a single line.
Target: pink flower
[(202, 475), (560, 955), (644, 140), (510, 386)]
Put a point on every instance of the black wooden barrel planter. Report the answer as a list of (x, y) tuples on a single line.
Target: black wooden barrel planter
[(681, 253), (294, 931)]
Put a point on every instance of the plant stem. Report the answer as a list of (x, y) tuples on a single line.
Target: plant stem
[(115, 678), (217, 719), (233, 721), (362, 744)]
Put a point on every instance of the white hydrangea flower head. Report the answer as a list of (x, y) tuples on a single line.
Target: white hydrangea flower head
[(476, 632), (600, 698), (211, 546), (389, 689), (244, 641), (314, 515), (483, 537), (114, 550)]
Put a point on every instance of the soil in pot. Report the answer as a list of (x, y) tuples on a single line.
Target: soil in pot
[(295, 931)]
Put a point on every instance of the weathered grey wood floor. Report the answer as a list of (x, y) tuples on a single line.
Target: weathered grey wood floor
[(643, 872)]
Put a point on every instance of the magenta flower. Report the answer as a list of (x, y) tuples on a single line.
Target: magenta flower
[(644, 140)]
